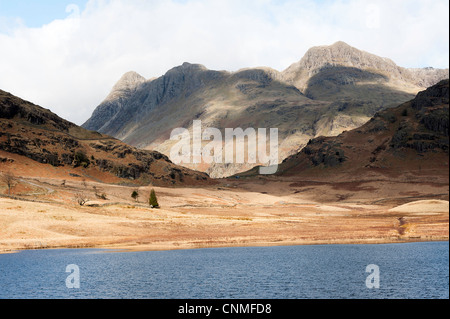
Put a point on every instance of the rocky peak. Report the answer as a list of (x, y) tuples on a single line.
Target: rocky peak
[(187, 68), (126, 84), (183, 80), (341, 54)]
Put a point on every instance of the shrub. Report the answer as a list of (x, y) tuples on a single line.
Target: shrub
[(81, 159)]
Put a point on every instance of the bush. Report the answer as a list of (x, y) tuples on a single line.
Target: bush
[(81, 159)]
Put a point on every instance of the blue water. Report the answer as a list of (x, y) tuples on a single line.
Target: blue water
[(410, 270)]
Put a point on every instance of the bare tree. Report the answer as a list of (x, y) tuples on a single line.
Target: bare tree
[(81, 198), (99, 193), (9, 179), (83, 182)]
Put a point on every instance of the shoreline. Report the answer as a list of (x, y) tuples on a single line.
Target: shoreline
[(123, 248)]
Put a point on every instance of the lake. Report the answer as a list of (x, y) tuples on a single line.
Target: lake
[(407, 270)]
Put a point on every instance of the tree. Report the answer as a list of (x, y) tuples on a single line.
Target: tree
[(153, 201), (99, 193), (10, 180), (81, 198), (135, 195)]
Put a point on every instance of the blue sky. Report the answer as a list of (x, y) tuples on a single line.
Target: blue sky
[(36, 13), (68, 61)]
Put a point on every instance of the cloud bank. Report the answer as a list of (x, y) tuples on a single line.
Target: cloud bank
[(70, 65)]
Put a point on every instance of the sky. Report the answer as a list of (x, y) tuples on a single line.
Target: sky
[(66, 55)]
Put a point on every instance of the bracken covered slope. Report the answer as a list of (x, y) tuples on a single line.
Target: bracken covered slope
[(38, 134)]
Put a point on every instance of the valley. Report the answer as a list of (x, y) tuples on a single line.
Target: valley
[(42, 212), (381, 177)]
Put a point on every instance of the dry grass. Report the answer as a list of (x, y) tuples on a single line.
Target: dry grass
[(235, 213)]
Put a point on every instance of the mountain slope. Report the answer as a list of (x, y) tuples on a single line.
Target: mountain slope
[(38, 134), (331, 89), (112, 104), (413, 137)]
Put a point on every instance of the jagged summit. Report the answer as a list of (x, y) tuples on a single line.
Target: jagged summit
[(192, 66), (126, 85), (343, 55), (340, 53), (186, 68)]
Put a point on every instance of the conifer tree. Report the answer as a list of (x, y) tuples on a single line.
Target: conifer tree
[(153, 201)]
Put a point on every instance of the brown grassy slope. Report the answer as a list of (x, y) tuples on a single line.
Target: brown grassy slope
[(40, 135), (411, 138)]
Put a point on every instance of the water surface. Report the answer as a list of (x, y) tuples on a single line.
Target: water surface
[(410, 270)]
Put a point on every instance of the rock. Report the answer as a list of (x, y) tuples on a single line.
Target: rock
[(6, 160)]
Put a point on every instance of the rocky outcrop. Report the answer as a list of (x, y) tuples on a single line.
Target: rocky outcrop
[(326, 152), (435, 95)]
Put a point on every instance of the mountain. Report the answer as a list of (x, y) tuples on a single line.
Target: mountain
[(412, 138), (341, 56), (38, 134), (122, 90), (330, 90)]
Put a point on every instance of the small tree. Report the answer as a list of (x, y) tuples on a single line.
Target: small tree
[(135, 195), (153, 201), (83, 181), (10, 180), (81, 198), (99, 193)]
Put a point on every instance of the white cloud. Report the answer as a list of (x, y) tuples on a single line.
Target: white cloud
[(70, 65)]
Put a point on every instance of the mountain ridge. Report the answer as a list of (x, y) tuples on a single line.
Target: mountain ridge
[(341, 90)]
